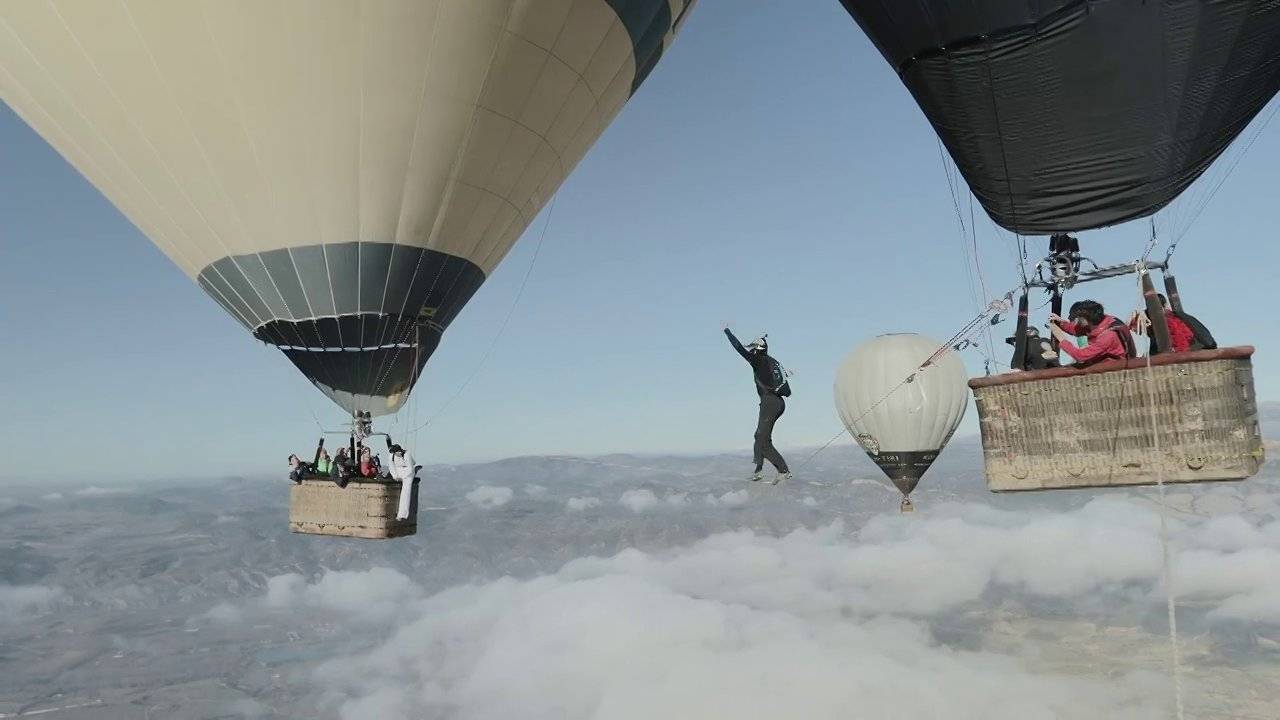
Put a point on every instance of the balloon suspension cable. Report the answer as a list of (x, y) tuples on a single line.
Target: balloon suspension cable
[(995, 307), (971, 255), (1195, 215), (1170, 592), (305, 396), (524, 282), (1022, 261), (977, 263), (825, 445), (417, 360), (1168, 255), (1151, 243), (450, 189), (1004, 159), (314, 418)]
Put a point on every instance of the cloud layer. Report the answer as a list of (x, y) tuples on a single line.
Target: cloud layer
[(95, 491), (816, 623), (579, 504), (487, 496), (18, 602), (638, 500)]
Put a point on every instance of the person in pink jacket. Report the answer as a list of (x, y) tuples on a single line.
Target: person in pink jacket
[(1108, 338)]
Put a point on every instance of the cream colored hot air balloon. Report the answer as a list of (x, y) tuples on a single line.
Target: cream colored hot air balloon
[(901, 425), (339, 175)]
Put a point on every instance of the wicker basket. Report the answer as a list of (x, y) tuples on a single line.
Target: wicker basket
[(361, 509), (1078, 428)]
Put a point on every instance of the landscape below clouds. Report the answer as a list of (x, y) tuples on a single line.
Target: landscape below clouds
[(640, 587)]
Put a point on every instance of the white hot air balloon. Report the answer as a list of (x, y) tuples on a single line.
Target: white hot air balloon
[(339, 175), (901, 425)]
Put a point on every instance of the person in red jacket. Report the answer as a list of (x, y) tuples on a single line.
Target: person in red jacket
[(1181, 336), (1109, 339)]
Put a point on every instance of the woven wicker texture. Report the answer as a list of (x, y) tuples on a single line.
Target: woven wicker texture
[(361, 509), (1093, 429)]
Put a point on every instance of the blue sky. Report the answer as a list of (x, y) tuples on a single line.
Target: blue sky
[(772, 173)]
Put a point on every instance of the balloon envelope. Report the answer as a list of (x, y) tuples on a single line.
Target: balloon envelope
[(1066, 115), (339, 176), (902, 427)]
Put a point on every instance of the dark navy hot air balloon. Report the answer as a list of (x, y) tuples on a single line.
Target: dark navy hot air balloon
[(1066, 115)]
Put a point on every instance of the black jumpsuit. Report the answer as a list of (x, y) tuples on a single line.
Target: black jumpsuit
[(770, 387)]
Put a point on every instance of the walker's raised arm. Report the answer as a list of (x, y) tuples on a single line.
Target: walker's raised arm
[(737, 345)]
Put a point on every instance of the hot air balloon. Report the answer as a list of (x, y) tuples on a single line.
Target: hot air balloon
[(339, 176), (1068, 115), (902, 400)]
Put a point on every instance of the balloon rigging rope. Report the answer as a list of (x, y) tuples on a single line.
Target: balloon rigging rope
[(1170, 592), (1195, 215), (1004, 159), (995, 307), (450, 188), (524, 282), (314, 418), (972, 261), (825, 445), (977, 263)]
